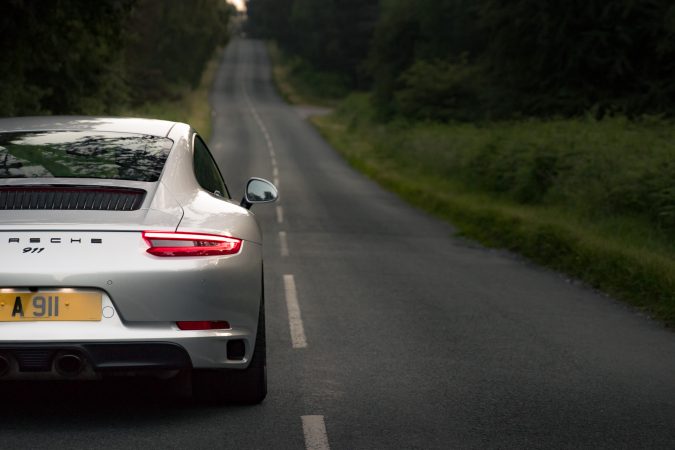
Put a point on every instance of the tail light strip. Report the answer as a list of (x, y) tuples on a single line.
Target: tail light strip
[(174, 243)]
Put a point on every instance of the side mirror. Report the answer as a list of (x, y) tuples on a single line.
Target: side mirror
[(259, 191)]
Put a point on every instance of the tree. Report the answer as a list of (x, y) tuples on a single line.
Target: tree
[(170, 44), (331, 35), (93, 57), (61, 57)]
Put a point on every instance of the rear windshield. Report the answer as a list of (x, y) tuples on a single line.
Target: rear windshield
[(78, 154)]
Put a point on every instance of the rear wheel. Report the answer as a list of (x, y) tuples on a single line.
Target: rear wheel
[(245, 386)]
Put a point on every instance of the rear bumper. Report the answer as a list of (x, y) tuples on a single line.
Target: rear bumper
[(143, 344)]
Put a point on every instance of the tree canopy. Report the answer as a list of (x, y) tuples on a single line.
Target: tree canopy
[(469, 59), (333, 35), (96, 57)]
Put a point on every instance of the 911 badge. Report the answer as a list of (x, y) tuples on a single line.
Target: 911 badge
[(33, 249)]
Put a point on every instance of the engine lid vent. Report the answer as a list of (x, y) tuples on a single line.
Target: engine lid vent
[(94, 198)]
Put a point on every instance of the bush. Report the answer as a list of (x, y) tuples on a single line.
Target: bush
[(317, 83), (439, 90)]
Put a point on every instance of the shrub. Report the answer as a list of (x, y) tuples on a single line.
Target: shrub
[(439, 90)]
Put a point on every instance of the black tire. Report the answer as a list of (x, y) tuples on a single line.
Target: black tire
[(243, 386)]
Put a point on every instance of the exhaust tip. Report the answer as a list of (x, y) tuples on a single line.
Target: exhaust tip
[(69, 364), (5, 365)]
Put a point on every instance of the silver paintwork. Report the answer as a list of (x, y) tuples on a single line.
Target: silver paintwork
[(148, 293)]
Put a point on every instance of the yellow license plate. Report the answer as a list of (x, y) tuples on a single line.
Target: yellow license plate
[(48, 306)]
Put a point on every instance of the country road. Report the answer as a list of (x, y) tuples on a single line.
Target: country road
[(384, 329)]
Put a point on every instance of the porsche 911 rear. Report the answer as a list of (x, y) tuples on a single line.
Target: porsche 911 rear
[(122, 253)]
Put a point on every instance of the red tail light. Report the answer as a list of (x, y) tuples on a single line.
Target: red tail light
[(204, 325), (169, 243)]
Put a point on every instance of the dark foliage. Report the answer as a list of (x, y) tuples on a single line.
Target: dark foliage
[(473, 59), (331, 35), (169, 44), (551, 57), (61, 56), (93, 57)]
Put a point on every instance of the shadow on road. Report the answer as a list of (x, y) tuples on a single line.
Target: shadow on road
[(117, 402)]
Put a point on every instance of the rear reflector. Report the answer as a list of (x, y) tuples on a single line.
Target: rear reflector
[(204, 325), (170, 243)]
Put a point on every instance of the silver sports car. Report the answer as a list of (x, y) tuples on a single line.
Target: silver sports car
[(123, 254)]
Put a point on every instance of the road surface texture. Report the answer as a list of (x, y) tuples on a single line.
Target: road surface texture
[(384, 329)]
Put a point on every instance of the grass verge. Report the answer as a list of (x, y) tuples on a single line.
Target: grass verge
[(190, 106), (625, 256)]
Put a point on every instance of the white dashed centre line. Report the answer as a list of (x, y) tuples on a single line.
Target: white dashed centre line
[(283, 243), (314, 429), (280, 214), (298, 338), (266, 134)]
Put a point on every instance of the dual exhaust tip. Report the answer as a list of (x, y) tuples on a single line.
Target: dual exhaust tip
[(69, 364), (66, 364)]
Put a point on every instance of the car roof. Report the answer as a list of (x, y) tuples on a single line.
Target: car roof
[(150, 127)]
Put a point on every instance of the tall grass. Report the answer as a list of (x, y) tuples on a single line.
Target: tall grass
[(601, 170)]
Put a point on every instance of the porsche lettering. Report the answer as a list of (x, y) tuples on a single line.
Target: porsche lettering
[(55, 240)]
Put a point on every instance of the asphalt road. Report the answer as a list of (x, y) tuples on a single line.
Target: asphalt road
[(385, 330)]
